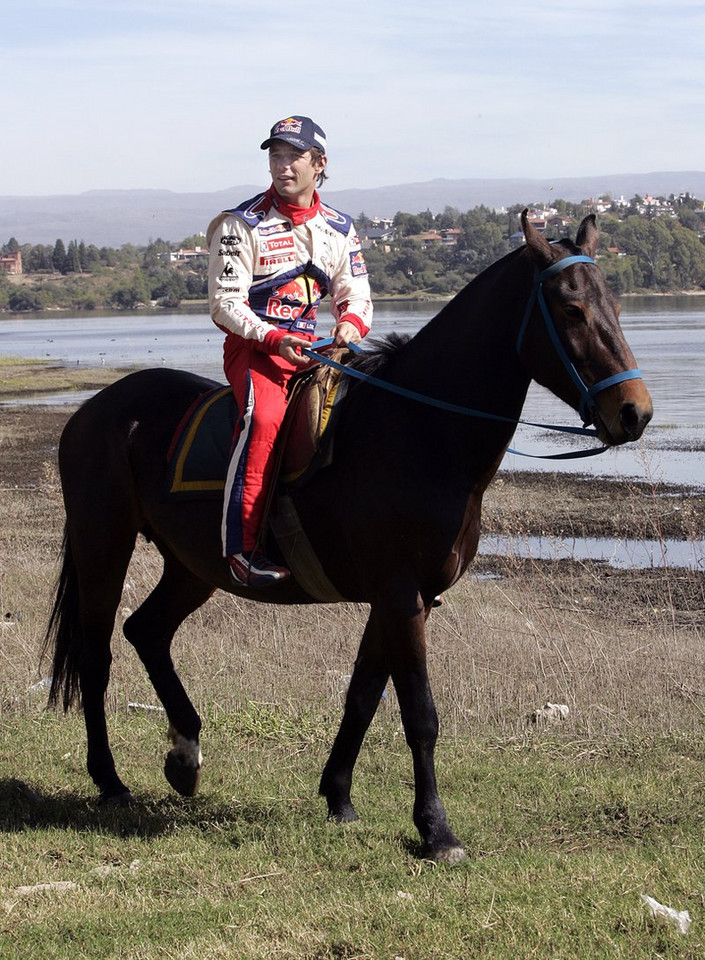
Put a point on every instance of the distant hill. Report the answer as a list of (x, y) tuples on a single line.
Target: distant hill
[(115, 217)]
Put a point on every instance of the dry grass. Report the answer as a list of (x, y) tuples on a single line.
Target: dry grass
[(622, 648)]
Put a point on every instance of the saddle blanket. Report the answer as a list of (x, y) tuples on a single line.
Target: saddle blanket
[(200, 449)]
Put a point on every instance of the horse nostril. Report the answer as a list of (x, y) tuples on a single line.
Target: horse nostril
[(632, 420)]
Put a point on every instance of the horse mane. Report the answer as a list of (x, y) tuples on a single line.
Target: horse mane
[(379, 353)]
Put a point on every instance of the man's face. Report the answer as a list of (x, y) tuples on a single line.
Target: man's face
[(294, 173)]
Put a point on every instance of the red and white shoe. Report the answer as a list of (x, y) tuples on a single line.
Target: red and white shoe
[(255, 570)]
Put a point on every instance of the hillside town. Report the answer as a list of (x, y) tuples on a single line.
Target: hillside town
[(649, 243)]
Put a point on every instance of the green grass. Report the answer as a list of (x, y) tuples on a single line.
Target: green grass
[(18, 361), (562, 834), (565, 826), (25, 380)]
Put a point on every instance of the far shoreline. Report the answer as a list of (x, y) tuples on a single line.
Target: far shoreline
[(201, 306)]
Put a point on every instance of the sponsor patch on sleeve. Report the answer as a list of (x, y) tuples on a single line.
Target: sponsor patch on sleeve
[(229, 246), (358, 267)]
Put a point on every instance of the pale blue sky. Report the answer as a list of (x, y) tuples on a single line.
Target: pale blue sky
[(178, 94)]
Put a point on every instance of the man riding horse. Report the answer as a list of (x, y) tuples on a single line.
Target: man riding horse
[(272, 259)]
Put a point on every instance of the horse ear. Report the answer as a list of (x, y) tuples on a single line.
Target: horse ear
[(537, 244), (588, 235)]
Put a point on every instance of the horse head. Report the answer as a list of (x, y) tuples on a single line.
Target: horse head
[(571, 340)]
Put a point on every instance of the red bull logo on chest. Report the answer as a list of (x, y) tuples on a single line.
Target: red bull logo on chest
[(295, 302)]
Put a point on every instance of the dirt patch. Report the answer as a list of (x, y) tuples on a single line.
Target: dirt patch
[(572, 505), (592, 589), (29, 435), (29, 438)]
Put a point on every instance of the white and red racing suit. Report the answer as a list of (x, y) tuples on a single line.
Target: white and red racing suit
[(270, 265)]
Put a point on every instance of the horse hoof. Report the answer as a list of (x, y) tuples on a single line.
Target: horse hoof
[(122, 799), (184, 778), (449, 855), (346, 814)]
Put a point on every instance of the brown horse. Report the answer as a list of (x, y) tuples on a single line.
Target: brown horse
[(394, 519)]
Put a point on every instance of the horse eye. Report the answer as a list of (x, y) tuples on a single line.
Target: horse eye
[(574, 312)]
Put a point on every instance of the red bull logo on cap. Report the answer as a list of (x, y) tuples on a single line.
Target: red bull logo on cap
[(290, 125)]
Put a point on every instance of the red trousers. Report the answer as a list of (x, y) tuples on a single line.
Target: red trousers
[(259, 384)]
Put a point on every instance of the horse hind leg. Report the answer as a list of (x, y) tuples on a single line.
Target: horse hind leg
[(81, 628), (100, 533), (150, 630)]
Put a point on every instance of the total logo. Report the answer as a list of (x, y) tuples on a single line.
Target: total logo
[(277, 244)]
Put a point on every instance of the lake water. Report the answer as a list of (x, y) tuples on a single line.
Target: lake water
[(614, 551), (667, 335)]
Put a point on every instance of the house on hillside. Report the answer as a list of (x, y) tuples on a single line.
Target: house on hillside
[(540, 217), (538, 223), (429, 237), (189, 256), (451, 236), (657, 206), (560, 223), (376, 235), (602, 205), (11, 263)]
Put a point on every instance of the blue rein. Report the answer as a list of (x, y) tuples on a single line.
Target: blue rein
[(587, 394)]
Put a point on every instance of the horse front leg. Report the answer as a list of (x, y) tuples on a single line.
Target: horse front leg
[(406, 638), (394, 642), (367, 683)]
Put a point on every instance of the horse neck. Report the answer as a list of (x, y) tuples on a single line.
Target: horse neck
[(467, 353)]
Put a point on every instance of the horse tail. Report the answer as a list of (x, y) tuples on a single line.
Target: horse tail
[(63, 634)]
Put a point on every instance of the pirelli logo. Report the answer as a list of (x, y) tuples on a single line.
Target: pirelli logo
[(275, 259)]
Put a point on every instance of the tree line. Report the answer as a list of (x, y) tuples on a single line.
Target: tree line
[(654, 249), (80, 276)]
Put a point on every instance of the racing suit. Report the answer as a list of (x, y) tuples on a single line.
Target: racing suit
[(270, 265)]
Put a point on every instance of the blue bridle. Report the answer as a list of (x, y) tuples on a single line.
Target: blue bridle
[(587, 394)]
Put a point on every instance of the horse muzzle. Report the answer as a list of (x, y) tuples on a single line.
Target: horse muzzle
[(622, 412)]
